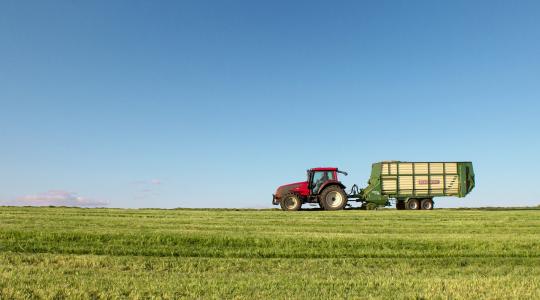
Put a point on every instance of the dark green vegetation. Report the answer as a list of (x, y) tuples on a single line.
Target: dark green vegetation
[(111, 253)]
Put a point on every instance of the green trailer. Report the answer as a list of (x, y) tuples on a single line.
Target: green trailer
[(413, 185)]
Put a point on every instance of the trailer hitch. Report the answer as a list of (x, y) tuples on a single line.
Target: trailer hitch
[(355, 190)]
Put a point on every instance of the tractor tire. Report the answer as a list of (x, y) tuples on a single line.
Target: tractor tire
[(333, 198), (412, 204), (290, 202), (426, 204), (400, 205)]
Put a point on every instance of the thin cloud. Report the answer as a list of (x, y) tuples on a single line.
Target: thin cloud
[(55, 198), (148, 182), (146, 189), (154, 181)]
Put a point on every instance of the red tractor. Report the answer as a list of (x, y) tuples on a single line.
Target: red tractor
[(322, 187)]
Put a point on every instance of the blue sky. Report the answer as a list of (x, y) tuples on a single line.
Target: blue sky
[(215, 103)]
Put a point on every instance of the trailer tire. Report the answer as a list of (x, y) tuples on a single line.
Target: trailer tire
[(426, 204), (412, 204), (291, 202), (400, 205), (371, 206), (333, 198)]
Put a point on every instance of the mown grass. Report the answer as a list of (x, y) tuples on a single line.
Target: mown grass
[(115, 253)]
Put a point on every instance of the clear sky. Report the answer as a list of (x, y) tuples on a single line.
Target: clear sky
[(216, 103)]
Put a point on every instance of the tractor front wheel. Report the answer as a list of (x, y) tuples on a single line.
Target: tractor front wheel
[(290, 202), (333, 198)]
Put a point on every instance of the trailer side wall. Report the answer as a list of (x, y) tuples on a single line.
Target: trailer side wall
[(426, 179)]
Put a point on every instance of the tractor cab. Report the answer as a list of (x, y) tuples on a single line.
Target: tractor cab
[(322, 187), (319, 177)]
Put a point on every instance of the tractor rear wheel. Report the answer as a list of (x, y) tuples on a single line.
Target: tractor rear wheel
[(412, 204), (426, 204), (290, 202), (333, 198)]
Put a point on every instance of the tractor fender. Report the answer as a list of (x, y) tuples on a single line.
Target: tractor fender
[(329, 183)]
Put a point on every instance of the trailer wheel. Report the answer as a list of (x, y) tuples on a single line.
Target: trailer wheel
[(427, 204), (400, 205), (290, 202), (371, 206), (333, 198), (412, 204)]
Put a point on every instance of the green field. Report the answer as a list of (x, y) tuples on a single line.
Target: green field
[(116, 253)]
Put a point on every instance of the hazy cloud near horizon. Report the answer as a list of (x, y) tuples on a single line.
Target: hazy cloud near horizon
[(146, 189), (55, 198), (154, 181)]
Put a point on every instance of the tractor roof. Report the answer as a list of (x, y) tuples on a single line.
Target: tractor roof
[(323, 169)]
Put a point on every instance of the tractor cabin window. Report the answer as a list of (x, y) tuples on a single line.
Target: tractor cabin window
[(320, 177)]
